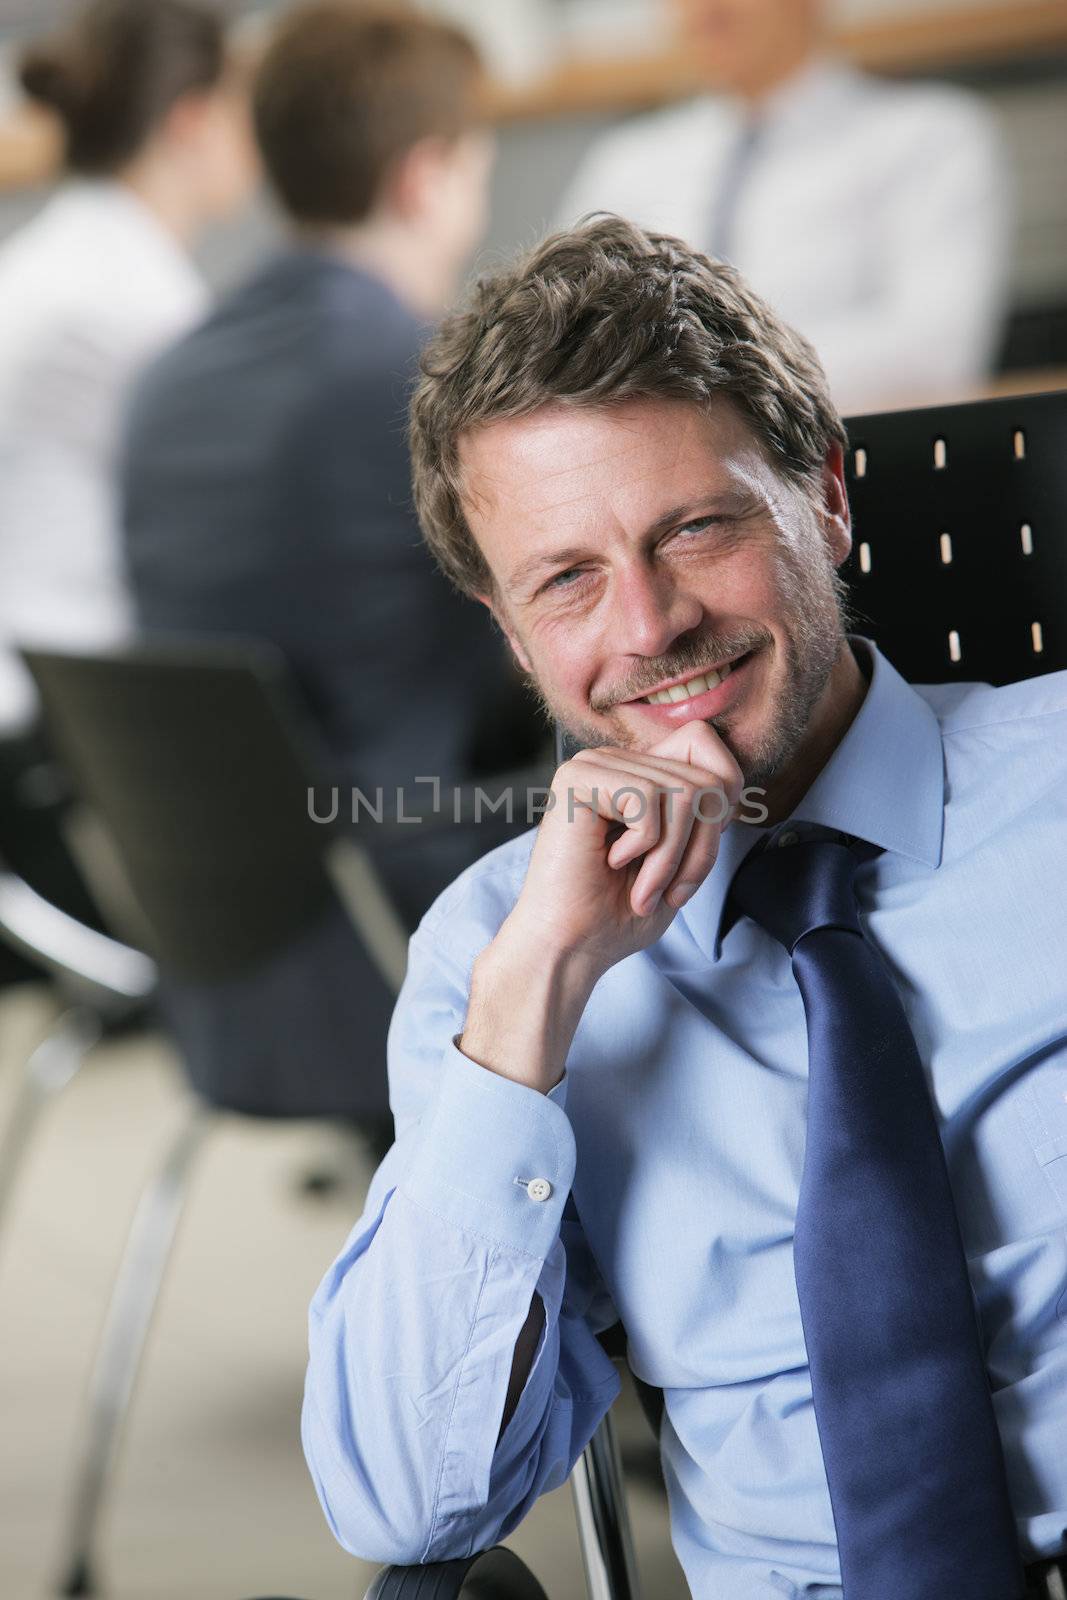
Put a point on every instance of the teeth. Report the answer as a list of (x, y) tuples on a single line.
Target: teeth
[(687, 690)]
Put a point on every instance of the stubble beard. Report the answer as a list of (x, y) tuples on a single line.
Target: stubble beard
[(815, 619)]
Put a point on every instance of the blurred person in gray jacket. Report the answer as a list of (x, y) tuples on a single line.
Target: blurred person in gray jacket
[(872, 215), (266, 479)]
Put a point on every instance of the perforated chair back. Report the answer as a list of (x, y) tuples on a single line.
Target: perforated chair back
[(959, 562), (195, 758)]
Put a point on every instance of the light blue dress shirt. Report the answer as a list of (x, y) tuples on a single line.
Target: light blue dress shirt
[(677, 1138)]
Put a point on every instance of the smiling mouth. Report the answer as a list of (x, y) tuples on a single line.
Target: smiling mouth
[(688, 688)]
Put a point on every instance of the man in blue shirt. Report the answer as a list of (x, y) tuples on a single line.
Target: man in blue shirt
[(613, 1072)]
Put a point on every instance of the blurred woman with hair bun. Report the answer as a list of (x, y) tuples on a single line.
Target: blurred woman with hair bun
[(157, 145), (156, 131)]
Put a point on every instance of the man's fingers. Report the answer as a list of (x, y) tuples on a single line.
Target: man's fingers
[(658, 868), (715, 764), (697, 744), (697, 860), (684, 855), (677, 779), (676, 868), (637, 806), (672, 803), (615, 796), (693, 741)]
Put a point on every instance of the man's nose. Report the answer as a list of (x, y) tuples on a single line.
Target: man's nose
[(650, 612)]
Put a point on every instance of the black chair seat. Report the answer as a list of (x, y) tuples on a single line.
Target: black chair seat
[(495, 1574)]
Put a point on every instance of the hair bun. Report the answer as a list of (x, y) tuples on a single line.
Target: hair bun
[(116, 70), (49, 79)]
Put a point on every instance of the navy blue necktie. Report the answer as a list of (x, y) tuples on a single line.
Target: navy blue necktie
[(902, 1402)]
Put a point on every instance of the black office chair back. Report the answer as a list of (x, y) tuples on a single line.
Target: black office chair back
[(959, 562), (195, 759)]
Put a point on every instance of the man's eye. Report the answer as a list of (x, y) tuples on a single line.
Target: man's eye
[(564, 580), (701, 525)]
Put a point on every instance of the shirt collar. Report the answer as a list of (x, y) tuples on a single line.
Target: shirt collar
[(805, 99), (810, 93), (884, 783)]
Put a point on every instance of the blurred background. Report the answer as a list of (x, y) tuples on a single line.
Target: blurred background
[(913, 222), (566, 71)]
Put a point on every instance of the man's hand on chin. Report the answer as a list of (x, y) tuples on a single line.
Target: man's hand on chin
[(628, 838)]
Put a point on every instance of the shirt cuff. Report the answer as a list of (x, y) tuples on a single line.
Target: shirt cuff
[(493, 1157)]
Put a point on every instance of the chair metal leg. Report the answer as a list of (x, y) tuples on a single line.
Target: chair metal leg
[(49, 1069), (603, 1521), (122, 1343)]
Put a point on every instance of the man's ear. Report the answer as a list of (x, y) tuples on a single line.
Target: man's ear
[(509, 633), (836, 516), (414, 177)]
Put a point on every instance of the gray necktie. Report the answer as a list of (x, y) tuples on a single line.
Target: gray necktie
[(735, 173)]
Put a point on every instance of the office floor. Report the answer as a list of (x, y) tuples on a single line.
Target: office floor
[(211, 1497)]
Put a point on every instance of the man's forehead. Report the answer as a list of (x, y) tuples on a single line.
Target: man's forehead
[(560, 455)]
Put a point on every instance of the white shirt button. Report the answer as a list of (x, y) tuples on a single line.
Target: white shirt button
[(538, 1188), (787, 838)]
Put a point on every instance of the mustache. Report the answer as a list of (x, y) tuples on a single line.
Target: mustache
[(699, 653)]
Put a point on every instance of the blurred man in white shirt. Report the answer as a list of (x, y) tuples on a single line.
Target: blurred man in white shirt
[(872, 215)]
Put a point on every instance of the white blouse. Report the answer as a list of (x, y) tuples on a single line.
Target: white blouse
[(90, 289)]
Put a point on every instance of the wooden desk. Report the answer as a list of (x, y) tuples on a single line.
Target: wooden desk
[(1040, 380), (1033, 380), (923, 42)]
